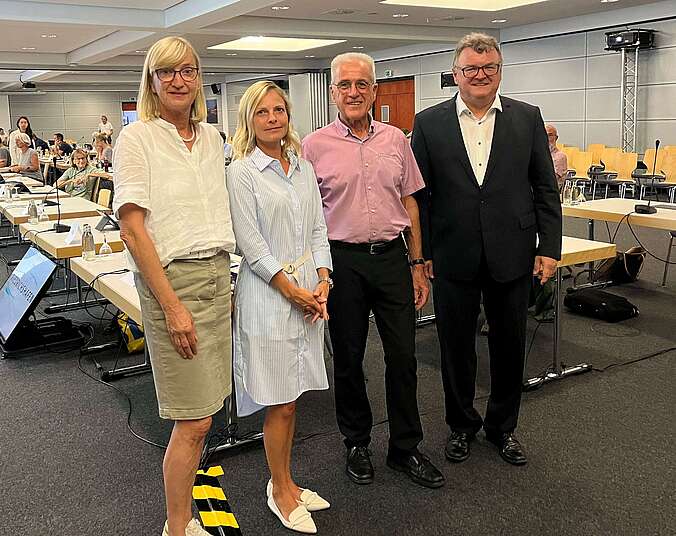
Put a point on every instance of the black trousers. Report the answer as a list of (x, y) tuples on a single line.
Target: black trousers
[(382, 284), (457, 306)]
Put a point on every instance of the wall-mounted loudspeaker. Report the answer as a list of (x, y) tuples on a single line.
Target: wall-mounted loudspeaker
[(216, 89)]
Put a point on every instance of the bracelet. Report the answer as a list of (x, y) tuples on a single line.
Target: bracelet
[(413, 262)]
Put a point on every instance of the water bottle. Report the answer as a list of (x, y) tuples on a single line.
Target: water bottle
[(88, 247), (568, 194), (32, 212), (105, 248)]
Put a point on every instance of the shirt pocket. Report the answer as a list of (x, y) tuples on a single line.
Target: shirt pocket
[(391, 166)]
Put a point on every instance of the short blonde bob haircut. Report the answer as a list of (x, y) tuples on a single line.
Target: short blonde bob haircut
[(168, 53), (244, 141)]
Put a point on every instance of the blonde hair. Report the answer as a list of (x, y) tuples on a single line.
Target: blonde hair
[(349, 57), (244, 141), (167, 53), (81, 152), (478, 42), (24, 138), (100, 136)]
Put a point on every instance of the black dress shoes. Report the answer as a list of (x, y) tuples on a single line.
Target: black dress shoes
[(418, 467), (457, 447), (510, 449), (359, 467)]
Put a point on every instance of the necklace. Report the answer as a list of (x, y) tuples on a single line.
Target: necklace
[(191, 138)]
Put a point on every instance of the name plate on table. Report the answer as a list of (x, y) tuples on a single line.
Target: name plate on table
[(74, 235)]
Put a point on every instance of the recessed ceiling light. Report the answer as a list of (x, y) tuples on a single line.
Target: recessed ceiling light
[(275, 44), (50, 36), (498, 21), (310, 56), (400, 15), (358, 48), (608, 1), (472, 5), (27, 48), (280, 8), (231, 54), (140, 51)]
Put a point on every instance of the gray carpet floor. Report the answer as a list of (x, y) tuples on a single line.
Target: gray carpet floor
[(600, 445)]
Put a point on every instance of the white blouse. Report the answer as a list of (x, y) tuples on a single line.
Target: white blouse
[(183, 191), (106, 128)]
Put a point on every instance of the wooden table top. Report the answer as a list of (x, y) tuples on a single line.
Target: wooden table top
[(579, 251), (71, 207), (615, 210), (55, 243), (115, 287)]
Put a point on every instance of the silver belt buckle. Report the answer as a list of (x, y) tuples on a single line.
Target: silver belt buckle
[(372, 249)]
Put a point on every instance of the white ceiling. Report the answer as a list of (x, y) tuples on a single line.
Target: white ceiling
[(97, 41)]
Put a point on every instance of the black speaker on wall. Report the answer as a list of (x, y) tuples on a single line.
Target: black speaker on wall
[(216, 89)]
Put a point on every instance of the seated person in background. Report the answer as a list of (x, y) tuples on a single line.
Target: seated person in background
[(27, 162), (104, 151), (5, 157), (40, 143), (60, 147), (559, 158), (3, 136), (76, 180), (106, 128), (227, 148)]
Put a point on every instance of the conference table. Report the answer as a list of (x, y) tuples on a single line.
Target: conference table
[(70, 207)]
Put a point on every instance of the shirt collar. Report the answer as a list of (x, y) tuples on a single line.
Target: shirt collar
[(170, 126), (461, 107), (262, 160), (345, 131)]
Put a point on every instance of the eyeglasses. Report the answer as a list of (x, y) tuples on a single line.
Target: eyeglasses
[(187, 73), (345, 85), (472, 71)]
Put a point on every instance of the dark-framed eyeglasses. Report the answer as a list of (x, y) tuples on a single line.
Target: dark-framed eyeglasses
[(189, 74), (472, 71), (345, 85)]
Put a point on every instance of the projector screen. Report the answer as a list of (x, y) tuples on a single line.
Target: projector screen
[(23, 289)]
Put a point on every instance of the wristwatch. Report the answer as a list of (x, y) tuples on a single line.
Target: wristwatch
[(326, 280), (413, 262)]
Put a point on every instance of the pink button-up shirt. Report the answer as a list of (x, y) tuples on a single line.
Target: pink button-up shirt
[(362, 181), (560, 161)]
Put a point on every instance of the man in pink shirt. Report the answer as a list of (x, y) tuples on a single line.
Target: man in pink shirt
[(559, 158), (367, 174)]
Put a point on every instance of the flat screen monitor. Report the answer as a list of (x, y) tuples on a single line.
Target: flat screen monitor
[(23, 290)]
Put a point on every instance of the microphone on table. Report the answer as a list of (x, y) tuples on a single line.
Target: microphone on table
[(647, 209)]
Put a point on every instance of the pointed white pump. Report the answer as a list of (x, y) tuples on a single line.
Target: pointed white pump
[(312, 501), (192, 529), (299, 520)]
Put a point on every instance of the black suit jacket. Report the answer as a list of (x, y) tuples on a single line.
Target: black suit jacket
[(519, 199)]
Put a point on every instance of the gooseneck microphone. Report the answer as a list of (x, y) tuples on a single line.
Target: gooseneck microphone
[(647, 209)]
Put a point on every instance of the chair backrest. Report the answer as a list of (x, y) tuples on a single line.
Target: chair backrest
[(569, 152), (581, 162), (625, 164), (669, 167), (609, 156), (649, 158), (103, 198), (596, 149)]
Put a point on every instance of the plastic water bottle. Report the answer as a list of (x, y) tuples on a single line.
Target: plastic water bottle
[(88, 246), (105, 248), (32, 212)]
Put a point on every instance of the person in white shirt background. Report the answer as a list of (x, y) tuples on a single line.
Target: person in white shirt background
[(172, 204), (106, 128)]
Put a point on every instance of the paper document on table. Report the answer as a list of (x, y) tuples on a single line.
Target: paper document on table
[(128, 279), (74, 235)]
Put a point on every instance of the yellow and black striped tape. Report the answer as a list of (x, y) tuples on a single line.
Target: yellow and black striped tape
[(212, 504)]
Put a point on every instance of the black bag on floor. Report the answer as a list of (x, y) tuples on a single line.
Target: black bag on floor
[(624, 268), (600, 304)]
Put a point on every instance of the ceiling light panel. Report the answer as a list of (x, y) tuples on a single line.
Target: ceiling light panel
[(275, 44), (470, 5)]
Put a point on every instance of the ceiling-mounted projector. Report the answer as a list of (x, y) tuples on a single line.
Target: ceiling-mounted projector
[(638, 38), (27, 85)]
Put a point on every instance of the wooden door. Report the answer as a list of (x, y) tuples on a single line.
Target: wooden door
[(395, 103)]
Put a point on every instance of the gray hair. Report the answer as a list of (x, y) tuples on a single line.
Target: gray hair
[(25, 138), (478, 42), (348, 57)]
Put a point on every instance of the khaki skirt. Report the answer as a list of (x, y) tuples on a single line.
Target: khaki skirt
[(192, 388)]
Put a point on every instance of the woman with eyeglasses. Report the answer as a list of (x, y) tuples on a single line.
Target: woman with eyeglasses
[(172, 204), (76, 180)]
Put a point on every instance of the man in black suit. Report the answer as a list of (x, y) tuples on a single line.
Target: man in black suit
[(491, 219)]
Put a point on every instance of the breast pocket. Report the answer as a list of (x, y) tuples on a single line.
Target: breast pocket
[(390, 166)]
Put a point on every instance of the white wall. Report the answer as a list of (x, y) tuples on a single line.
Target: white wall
[(5, 121), (76, 114)]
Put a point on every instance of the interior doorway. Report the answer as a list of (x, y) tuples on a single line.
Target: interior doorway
[(395, 103)]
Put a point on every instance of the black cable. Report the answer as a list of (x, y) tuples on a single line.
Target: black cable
[(635, 360), (645, 248)]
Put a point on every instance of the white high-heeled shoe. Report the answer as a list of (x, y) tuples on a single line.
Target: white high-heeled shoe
[(312, 501), (299, 520)]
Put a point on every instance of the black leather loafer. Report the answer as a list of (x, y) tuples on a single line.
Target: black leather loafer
[(418, 467), (509, 447), (358, 466), (457, 447)]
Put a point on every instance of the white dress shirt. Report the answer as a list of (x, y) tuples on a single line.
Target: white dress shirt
[(184, 192), (477, 135), (278, 217), (106, 128)]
